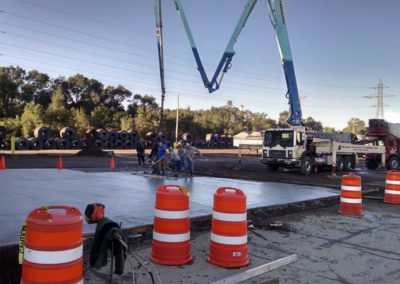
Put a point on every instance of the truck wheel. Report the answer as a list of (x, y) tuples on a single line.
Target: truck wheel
[(306, 165), (393, 163), (371, 164), (349, 163), (272, 167), (340, 164)]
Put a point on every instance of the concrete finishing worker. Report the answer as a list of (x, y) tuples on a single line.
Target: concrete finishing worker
[(188, 154)]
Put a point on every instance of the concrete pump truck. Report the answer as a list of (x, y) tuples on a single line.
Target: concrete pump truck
[(292, 147), (295, 147)]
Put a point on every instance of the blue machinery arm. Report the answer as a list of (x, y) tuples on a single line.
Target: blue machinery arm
[(277, 18), (278, 22), (225, 62)]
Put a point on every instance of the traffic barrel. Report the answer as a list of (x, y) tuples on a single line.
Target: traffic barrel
[(392, 187), (171, 232), (228, 245), (351, 195), (53, 246)]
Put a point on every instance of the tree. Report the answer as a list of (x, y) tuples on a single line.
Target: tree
[(328, 129), (355, 125), (127, 123), (31, 118), (11, 100), (37, 88), (57, 115), (260, 121), (312, 124), (80, 122), (104, 117), (283, 117), (113, 97), (147, 120)]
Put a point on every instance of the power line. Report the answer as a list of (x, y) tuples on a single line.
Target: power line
[(124, 43), (190, 92), (125, 69), (252, 75)]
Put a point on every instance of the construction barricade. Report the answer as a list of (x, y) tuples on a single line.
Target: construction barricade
[(392, 187), (351, 195), (228, 245), (171, 233), (53, 246)]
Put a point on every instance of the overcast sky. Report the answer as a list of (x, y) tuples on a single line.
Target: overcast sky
[(341, 48)]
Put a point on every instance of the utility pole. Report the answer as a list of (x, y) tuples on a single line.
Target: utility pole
[(160, 47), (380, 95), (177, 119)]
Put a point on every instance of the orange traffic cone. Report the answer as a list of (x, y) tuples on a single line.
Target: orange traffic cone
[(60, 163), (2, 163), (112, 163)]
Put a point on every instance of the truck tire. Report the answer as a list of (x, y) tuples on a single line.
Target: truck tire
[(349, 163), (306, 165), (393, 163), (272, 167), (371, 164)]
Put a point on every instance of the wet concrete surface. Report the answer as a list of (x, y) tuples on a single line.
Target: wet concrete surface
[(129, 198)]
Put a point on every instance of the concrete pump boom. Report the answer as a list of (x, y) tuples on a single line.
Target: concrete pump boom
[(278, 22), (277, 18), (225, 62)]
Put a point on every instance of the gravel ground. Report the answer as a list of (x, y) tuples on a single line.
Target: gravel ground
[(331, 248)]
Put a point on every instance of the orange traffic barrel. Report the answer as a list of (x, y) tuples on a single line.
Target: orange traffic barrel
[(228, 245), (53, 246), (171, 232), (351, 195), (392, 187)]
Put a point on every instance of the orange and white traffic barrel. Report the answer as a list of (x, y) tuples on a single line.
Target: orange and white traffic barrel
[(228, 245), (171, 232), (53, 246), (392, 187), (351, 195)]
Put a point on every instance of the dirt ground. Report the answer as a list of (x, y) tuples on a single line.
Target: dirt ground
[(331, 248)]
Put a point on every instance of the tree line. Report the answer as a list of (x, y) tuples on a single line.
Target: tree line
[(30, 98)]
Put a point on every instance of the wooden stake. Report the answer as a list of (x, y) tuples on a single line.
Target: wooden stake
[(258, 270)]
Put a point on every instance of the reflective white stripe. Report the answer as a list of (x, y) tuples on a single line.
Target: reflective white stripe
[(388, 191), (171, 238), (171, 214), (229, 216), (229, 240), (350, 200), (351, 188), (52, 257), (80, 282), (396, 182)]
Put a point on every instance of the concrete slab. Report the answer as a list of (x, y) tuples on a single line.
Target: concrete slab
[(128, 198)]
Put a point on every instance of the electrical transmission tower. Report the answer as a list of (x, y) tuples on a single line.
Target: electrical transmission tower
[(380, 95)]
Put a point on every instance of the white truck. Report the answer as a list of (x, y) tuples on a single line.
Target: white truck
[(295, 148)]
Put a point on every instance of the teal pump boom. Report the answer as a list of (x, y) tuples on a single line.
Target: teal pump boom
[(278, 22), (226, 59)]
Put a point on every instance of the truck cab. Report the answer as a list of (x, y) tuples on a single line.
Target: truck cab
[(283, 147)]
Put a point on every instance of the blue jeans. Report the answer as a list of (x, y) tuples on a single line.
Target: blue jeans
[(189, 165)]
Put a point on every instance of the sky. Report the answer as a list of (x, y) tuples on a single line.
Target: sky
[(341, 48)]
